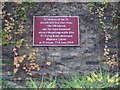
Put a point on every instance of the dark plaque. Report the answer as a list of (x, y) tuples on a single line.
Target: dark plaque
[(55, 31)]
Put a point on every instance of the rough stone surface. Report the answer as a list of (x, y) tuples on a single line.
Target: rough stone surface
[(66, 59)]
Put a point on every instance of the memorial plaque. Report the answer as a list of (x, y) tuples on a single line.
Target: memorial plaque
[(56, 31)]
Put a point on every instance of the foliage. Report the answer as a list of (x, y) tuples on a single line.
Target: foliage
[(32, 65), (31, 83), (110, 60), (16, 42), (17, 62), (28, 4), (3, 35), (43, 84), (5, 84), (105, 4), (21, 10), (94, 80), (98, 79)]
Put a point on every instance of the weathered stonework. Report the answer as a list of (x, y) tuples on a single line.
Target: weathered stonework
[(67, 59)]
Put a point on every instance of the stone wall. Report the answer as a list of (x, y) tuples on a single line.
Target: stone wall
[(65, 59)]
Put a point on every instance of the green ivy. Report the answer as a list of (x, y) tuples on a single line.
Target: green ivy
[(17, 42)]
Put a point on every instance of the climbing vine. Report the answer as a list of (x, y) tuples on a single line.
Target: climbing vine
[(100, 11), (14, 27), (110, 60), (8, 27), (32, 65)]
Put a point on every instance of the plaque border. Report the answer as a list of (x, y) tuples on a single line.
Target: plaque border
[(57, 45)]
